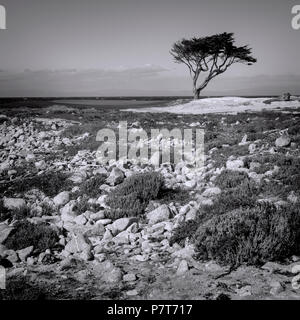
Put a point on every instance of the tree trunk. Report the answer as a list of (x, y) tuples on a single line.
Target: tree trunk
[(196, 94)]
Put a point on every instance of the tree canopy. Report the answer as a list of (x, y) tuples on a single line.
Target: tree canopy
[(212, 54)]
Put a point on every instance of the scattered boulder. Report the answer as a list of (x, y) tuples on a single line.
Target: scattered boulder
[(62, 198), (79, 244), (252, 148), (116, 177), (5, 231), (13, 203), (296, 282), (78, 177), (283, 141), (191, 184), (121, 225), (162, 213), (41, 165), (296, 269), (25, 253), (244, 140), (129, 277), (12, 256), (109, 272), (210, 192), (276, 287), (191, 214), (67, 213), (234, 164), (182, 268)]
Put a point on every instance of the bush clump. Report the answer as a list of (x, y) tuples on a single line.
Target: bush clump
[(231, 179), (17, 214), (51, 183), (186, 230), (132, 196), (21, 289), (242, 196), (26, 234), (252, 236), (91, 186)]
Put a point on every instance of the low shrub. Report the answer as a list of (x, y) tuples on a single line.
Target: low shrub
[(252, 236), (289, 174), (4, 212), (26, 234), (186, 230), (221, 156), (167, 195), (242, 196), (91, 186), (51, 183), (17, 214), (21, 289), (132, 196), (84, 205), (231, 179)]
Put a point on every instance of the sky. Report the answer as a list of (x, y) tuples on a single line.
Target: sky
[(121, 47)]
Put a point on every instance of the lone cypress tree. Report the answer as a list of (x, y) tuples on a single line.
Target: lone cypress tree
[(212, 55)]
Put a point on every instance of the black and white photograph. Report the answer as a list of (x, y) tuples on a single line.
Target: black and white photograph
[(149, 151)]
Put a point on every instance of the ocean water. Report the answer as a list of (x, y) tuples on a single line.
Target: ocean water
[(102, 102)]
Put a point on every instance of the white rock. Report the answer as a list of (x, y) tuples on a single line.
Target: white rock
[(190, 184), (67, 213), (234, 164), (296, 282), (78, 244), (78, 177), (41, 165), (100, 171), (30, 157), (121, 225), (113, 276), (132, 293), (252, 148), (185, 253), (97, 216), (4, 166), (244, 140), (102, 200), (5, 231), (283, 141), (191, 215), (162, 213), (210, 192), (13, 203), (182, 268), (129, 277), (116, 177), (81, 220), (104, 222), (296, 269), (62, 198), (25, 253), (122, 238), (276, 287)]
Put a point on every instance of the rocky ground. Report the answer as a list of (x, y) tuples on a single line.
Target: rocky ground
[(58, 242)]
